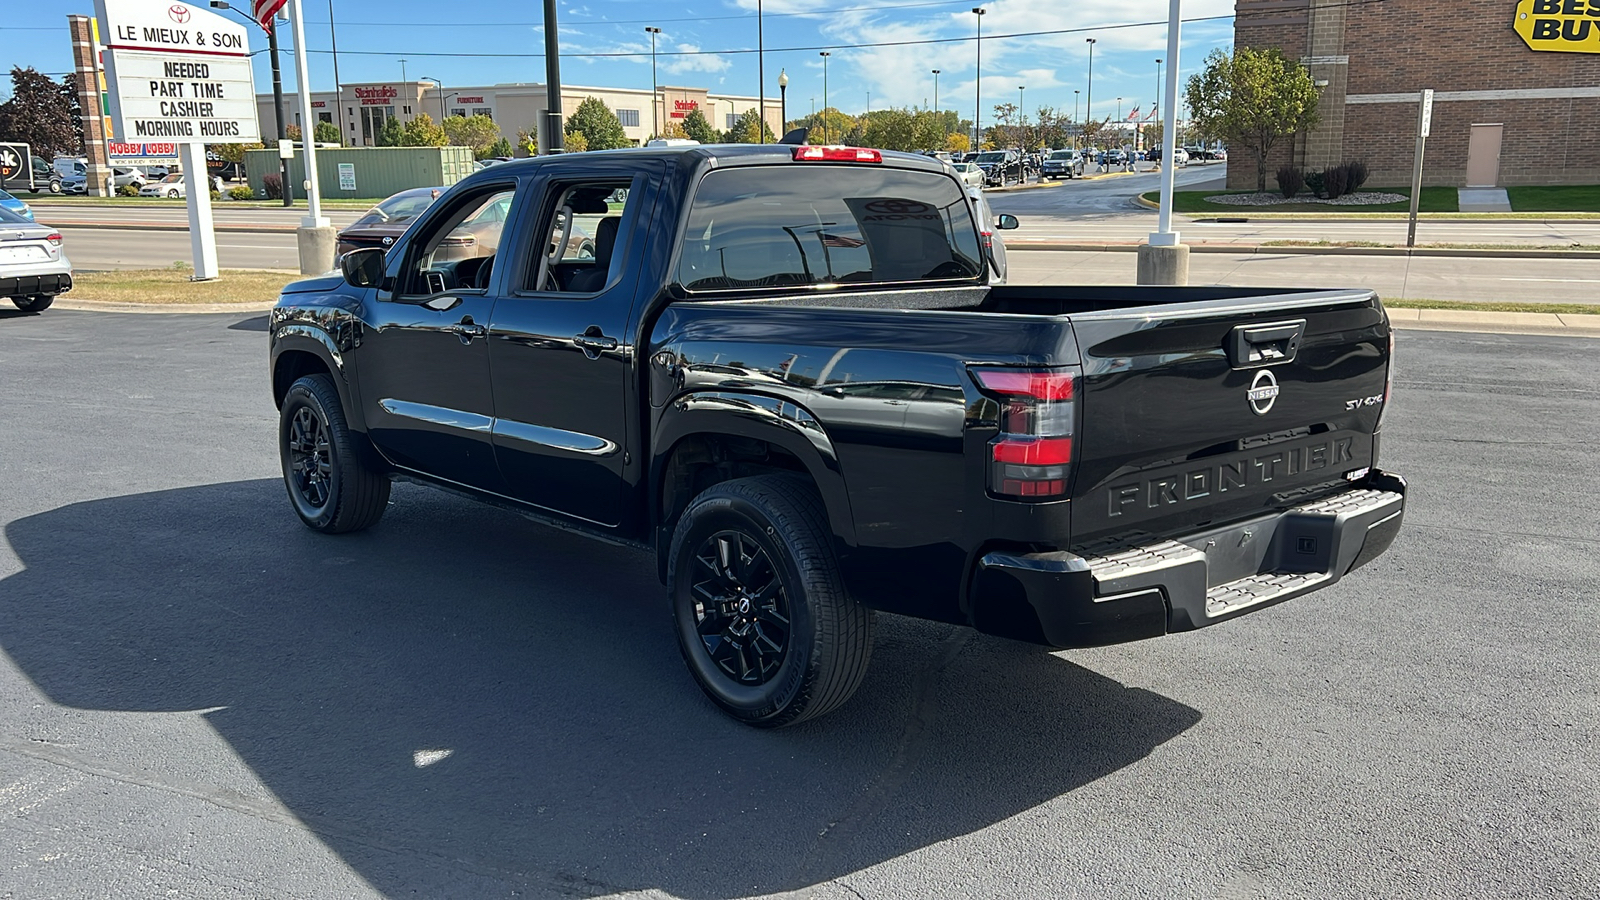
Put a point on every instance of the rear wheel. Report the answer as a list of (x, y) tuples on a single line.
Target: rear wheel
[(36, 303), (330, 486), (761, 613), (172, 192)]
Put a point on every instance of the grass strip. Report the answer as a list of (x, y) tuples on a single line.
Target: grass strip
[(1435, 246), (1555, 198), (1569, 309), (173, 286), (1434, 200)]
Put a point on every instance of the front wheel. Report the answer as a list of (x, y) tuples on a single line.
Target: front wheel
[(331, 488), (762, 617), (36, 303), (172, 193)]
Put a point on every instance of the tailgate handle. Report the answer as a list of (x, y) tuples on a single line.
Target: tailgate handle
[(1265, 345)]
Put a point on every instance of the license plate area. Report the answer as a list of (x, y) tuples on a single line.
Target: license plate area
[(24, 253)]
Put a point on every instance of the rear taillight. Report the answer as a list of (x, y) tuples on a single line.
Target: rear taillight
[(836, 154), (54, 237), (1031, 457), (1388, 383)]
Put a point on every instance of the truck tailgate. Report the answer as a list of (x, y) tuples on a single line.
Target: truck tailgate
[(1200, 414)]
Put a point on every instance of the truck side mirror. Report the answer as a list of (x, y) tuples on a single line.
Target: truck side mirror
[(363, 268), (1006, 222)]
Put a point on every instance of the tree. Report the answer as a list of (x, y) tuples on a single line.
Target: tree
[(527, 144), (1152, 133), (390, 135), (1252, 98), (671, 129), (599, 126), (234, 153), (575, 142), (957, 142), (38, 115), (749, 129), (292, 132), (1093, 131), (69, 90), (827, 126), (698, 129), (477, 132), (422, 131), (326, 133), (501, 147)]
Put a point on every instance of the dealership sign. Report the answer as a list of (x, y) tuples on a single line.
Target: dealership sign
[(177, 73), (1560, 26)]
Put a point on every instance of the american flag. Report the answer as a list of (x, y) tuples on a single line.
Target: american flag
[(1134, 115), (838, 240), (263, 11)]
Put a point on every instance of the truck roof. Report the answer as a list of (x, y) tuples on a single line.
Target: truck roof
[(729, 155)]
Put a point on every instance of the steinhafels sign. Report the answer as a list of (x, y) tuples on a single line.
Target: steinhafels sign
[(1561, 26), (177, 73), (377, 96)]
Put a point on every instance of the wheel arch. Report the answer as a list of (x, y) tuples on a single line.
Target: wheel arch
[(299, 350), (706, 438)]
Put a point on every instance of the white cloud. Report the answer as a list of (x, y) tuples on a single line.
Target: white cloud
[(701, 62)]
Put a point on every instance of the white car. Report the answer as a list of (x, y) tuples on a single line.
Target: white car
[(170, 186), (969, 173), (33, 268)]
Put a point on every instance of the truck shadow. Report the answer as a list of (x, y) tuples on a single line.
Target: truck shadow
[(460, 694)]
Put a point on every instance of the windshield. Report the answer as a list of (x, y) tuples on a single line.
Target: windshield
[(992, 157), (1063, 154), (399, 208), (784, 226)]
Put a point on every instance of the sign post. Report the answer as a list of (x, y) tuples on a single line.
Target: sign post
[(180, 74), (315, 236), (1424, 125), (1163, 260)]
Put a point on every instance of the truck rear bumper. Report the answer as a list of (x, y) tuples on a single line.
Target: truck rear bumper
[(1139, 586)]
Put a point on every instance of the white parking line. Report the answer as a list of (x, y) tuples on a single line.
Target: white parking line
[(1558, 280)]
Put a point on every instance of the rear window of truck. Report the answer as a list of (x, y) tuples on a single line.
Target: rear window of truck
[(784, 226)]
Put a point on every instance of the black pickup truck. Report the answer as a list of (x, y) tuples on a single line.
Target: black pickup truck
[(782, 370)]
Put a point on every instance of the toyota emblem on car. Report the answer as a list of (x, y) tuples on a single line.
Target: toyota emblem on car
[(1263, 392)]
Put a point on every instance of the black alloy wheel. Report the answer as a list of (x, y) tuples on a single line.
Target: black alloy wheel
[(763, 619), (332, 488), (741, 608), (36, 303)]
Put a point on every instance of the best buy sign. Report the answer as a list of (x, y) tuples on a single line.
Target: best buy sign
[(1561, 26)]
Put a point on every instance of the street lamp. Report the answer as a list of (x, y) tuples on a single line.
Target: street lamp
[(1088, 100), (1158, 89), (1022, 117), (936, 90), (783, 96), (825, 54), (761, 78), (655, 89), (277, 96), (1079, 130), (440, 85), (977, 87), (338, 91), (402, 71)]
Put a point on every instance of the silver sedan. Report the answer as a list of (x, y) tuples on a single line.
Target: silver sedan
[(33, 267)]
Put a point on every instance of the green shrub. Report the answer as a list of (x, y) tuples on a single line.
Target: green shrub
[(242, 192), (127, 190), (1336, 181), (1314, 183), (1358, 174)]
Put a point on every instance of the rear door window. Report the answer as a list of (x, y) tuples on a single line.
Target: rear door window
[(787, 226)]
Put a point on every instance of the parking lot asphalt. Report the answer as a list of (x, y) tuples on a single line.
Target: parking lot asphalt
[(200, 698)]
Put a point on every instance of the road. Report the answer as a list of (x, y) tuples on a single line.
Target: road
[(201, 699)]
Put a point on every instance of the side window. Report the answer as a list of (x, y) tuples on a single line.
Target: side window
[(578, 238), (457, 250)]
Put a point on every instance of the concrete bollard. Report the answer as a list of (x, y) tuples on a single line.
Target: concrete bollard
[(1164, 265), (317, 245)]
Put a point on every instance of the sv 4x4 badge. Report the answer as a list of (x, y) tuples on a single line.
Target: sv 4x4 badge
[(1374, 400)]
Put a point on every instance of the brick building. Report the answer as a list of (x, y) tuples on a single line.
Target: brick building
[(1503, 114)]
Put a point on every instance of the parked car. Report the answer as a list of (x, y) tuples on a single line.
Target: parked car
[(128, 176), (170, 186), (382, 224), (1000, 167), (1070, 466), (33, 267), (970, 173), (11, 203), (1180, 154), (989, 228), (1059, 164)]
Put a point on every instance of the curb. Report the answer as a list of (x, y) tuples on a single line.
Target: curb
[(1245, 249), (110, 307), (166, 226), (1547, 324)]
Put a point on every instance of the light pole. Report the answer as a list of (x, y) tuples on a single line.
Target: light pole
[(655, 89), (333, 38), (1158, 88), (1022, 117), (277, 98), (552, 78), (402, 71), (1088, 100), (935, 90), (825, 54), (783, 96), (1079, 129), (440, 85), (761, 78), (977, 86), (869, 101)]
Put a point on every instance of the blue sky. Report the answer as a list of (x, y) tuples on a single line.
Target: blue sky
[(698, 39)]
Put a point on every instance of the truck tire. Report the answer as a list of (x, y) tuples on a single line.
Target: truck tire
[(36, 303), (762, 617), (330, 486)]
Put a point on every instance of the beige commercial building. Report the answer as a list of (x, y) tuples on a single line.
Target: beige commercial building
[(362, 109)]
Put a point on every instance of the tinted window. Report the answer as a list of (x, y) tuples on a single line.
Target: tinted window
[(781, 226), (12, 218), (1063, 154)]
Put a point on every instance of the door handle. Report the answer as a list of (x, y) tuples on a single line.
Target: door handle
[(467, 329), (593, 342)]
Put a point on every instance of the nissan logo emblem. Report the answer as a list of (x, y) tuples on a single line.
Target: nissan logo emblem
[(1263, 392)]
